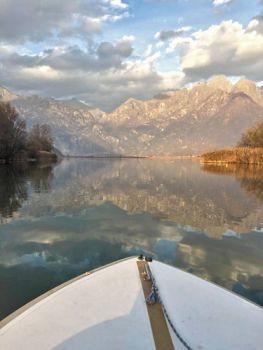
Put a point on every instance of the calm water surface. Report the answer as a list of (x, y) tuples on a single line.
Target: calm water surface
[(57, 222)]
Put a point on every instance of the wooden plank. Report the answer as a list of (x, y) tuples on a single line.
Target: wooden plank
[(159, 326)]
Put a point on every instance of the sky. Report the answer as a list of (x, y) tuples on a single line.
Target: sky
[(106, 51)]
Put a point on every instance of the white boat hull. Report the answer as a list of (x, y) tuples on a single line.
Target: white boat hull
[(106, 310)]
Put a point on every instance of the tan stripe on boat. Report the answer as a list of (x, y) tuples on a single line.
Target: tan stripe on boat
[(160, 330)]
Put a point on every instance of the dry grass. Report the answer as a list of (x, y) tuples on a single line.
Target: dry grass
[(238, 155)]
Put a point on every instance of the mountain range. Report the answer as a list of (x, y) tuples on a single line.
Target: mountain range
[(189, 121)]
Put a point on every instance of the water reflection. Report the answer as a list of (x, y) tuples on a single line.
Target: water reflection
[(13, 189), (83, 214), (176, 191), (232, 263), (16, 181), (41, 177), (250, 176)]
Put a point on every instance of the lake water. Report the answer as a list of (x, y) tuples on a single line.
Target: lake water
[(57, 222)]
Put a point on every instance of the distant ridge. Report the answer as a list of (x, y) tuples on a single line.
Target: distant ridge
[(207, 116)]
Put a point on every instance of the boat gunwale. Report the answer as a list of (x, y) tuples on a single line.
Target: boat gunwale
[(41, 297)]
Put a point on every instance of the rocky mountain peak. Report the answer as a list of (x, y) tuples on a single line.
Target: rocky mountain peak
[(250, 88), (131, 102), (6, 95), (220, 82), (245, 84)]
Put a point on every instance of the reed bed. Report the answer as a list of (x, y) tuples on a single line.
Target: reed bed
[(237, 155)]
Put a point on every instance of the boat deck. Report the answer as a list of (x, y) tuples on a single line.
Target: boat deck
[(103, 310), (106, 309)]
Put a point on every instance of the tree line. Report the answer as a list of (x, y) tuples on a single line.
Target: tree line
[(16, 142)]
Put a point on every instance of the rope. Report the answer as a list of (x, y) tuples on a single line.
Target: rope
[(156, 290)]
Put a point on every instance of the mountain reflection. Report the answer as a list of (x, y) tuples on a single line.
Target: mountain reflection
[(176, 191), (85, 213)]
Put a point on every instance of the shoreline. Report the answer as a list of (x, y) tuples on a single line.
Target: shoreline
[(174, 157), (42, 158), (103, 157), (132, 157)]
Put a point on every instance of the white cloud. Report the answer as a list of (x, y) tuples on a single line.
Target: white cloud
[(128, 38), (256, 24), (108, 72), (117, 3), (148, 50), (42, 72), (31, 20), (104, 77), (172, 80), (227, 48), (221, 2), (153, 57)]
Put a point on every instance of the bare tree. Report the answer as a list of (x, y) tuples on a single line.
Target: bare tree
[(39, 139), (12, 132), (253, 137)]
